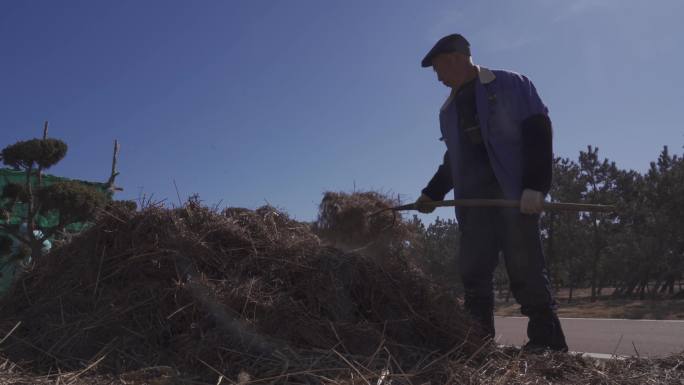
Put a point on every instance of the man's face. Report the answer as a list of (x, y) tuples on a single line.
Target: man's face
[(451, 68)]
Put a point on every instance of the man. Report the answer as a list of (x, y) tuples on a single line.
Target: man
[(498, 138)]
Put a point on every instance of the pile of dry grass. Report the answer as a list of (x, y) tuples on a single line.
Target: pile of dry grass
[(512, 368), (349, 219), (190, 295), (509, 368), (362, 221), (209, 293)]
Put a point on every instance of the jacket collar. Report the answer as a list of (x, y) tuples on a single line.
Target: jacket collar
[(485, 76)]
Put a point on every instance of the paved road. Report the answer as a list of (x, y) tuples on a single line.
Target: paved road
[(652, 338)]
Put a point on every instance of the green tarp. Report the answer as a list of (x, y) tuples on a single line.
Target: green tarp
[(8, 266)]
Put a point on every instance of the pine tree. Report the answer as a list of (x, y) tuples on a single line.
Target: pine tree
[(71, 201)]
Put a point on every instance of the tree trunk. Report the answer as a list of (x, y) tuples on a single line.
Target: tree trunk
[(595, 262), (653, 291), (668, 286), (551, 253), (617, 291), (629, 292), (593, 283), (661, 289)]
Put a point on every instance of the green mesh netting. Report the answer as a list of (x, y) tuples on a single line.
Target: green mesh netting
[(8, 266)]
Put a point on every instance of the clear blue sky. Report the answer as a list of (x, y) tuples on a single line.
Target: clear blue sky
[(252, 101)]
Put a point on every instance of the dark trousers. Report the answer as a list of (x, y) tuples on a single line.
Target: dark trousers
[(484, 233)]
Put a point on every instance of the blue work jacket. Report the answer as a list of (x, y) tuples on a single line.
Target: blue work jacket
[(503, 101)]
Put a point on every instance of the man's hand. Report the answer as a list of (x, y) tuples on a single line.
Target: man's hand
[(531, 202), (423, 208)]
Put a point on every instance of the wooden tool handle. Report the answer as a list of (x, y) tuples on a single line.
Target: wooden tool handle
[(547, 206)]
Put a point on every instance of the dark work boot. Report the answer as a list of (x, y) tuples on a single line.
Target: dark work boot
[(545, 332)]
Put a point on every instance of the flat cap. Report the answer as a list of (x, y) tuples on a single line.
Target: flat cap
[(449, 43)]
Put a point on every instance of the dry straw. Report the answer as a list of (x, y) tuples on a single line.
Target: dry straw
[(195, 296)]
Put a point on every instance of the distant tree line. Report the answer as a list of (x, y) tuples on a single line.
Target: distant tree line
[(637, 251)]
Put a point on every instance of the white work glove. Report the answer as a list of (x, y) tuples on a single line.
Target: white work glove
[(424, 199), (531, 202)]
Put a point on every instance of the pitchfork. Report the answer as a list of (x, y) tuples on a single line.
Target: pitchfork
[(546, 206)]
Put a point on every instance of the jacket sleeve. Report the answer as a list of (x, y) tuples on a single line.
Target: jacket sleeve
[(531, 102), (441, 183), (537, 153), (536, 136)]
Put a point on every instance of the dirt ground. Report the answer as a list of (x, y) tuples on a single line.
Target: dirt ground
[(605, 307)]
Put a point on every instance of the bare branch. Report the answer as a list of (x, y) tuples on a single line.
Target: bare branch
[(114, 173), (40, 168), (29, 204)]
